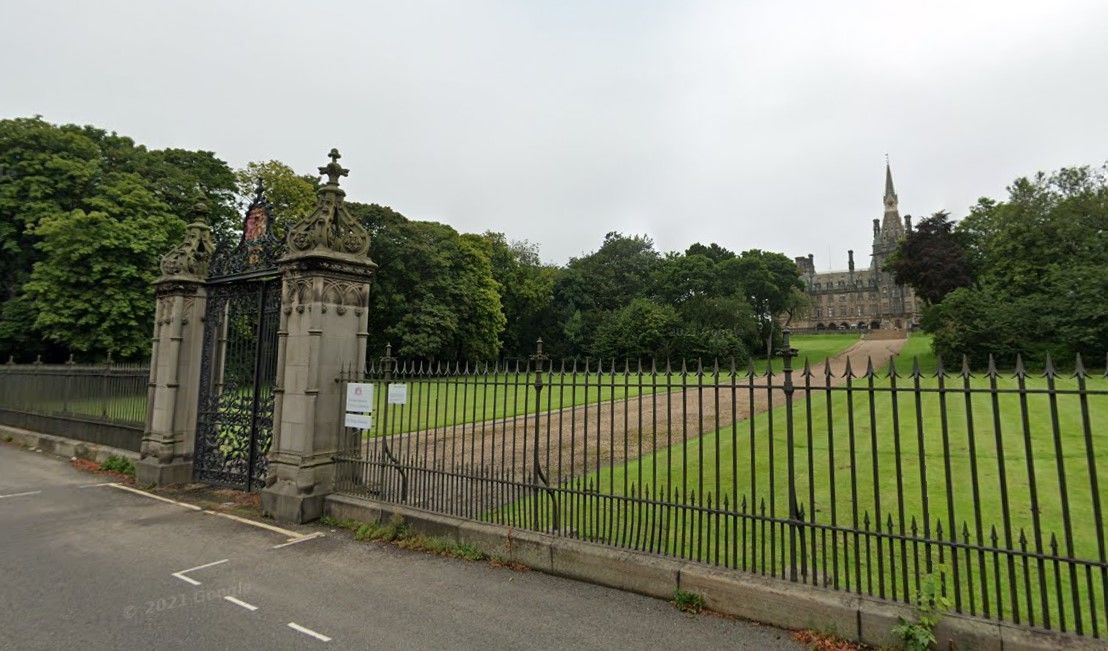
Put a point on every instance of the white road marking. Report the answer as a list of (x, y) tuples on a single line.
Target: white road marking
[(181, 574), (307, 631), (239, 602), (284, 532), (157, 497), (293, 541), (20, 494), (106, 483)]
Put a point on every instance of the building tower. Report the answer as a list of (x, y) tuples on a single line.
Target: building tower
[(885, 239)]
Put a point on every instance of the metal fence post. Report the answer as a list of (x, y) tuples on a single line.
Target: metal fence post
[(787, 353), (539, 357)]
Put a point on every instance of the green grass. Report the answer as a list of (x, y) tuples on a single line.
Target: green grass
[(874, 481), (435, 402)]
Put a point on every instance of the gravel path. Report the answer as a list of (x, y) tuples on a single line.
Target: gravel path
[(576, 439)]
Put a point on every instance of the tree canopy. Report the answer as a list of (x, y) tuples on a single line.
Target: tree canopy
[(1041, 265), (84, 216), (933, 259)]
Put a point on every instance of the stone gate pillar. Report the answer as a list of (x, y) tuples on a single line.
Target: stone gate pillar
[(326, 276), (181, 298)]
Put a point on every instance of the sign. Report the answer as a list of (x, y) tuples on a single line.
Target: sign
[(398, 394), (359, 397), (359, 421)]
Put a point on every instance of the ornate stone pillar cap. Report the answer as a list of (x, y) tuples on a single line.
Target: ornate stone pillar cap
[(329, 232), (189, 260)]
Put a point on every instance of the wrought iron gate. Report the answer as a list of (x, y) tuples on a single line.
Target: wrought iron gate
[(238, 368)]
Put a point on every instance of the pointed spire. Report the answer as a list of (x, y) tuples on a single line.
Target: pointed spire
[(890, 192)]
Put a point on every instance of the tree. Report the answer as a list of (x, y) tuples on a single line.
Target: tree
[(50, 173), (526, 288), (91, 292), (641, 329), (1042, 281), (767, 281), (932, 259), (434, 295)]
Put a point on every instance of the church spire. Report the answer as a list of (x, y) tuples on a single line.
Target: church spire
[(892, 228), (889, 191)]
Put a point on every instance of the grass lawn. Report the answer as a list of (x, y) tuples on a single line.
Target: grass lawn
[(118, 409), (860, 476), (445, 401)]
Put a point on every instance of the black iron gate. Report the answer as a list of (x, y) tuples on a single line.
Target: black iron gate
[(238, 368)]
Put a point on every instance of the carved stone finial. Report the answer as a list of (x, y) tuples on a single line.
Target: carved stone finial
[(333, 170), (192, 256), (330, 228)]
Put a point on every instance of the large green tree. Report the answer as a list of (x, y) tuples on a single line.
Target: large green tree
[(1041, 258), (91, 289), (526, 288), (59, 181), (434, 296), (933, 259)]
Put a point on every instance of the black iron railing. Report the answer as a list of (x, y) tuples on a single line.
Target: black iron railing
[(99, 403), (853, 474), (108, 392)]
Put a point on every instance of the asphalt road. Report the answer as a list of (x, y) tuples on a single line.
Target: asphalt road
[(96, 567)]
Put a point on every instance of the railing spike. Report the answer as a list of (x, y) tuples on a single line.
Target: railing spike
[(1079, 367), (848, 372), (991, 371), (892, 368), (940, 371), (1020, 371), (807, 372), (965, 372), (869, 366), (1048, 367), (827, 372), (916, 372)]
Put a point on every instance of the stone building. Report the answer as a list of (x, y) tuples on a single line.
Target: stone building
[(867, 298)]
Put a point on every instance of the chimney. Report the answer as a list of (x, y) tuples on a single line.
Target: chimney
[(850, 259), (907, 223)]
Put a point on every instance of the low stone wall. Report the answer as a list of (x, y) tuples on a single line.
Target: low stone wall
[(769, 601), (63, 446), (79, 429)]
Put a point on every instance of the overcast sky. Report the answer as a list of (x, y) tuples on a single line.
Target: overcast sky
[(750, 124)]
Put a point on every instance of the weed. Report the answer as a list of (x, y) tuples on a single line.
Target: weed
[(469, 551), (817, 641), (364, 531), (930, 606), (689, 602), (8, 438), (122, 465)]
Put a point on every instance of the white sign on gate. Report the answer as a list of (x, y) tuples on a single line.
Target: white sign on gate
[(359, 421), (398, 394), (359, 397)]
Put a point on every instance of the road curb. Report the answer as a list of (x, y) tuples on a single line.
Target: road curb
[(747, 596), (63, 446)]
